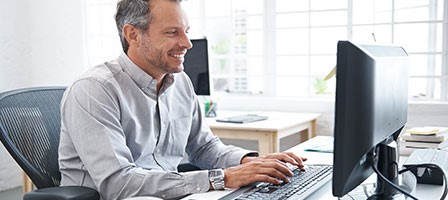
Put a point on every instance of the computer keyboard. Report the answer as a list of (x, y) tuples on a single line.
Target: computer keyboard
[(301, 185)]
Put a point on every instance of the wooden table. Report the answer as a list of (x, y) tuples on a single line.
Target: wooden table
[(267, 132), (28, 185)]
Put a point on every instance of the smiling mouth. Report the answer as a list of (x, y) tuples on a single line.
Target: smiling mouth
[(181, 56)]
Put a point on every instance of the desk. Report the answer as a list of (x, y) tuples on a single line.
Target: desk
[(422, 191), (267, 132)]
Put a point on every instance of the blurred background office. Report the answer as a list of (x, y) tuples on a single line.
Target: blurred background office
[(272, 52)]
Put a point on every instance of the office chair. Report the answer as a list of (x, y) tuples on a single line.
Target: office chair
[(30, 124)]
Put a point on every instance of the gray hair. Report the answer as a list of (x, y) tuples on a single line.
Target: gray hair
[(133, 12)]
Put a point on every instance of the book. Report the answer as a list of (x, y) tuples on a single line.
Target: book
[(425, 131), (425, 145), (423, 138), (406, 151), (438, 137)]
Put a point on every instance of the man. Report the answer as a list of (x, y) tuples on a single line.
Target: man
[(126, 124)]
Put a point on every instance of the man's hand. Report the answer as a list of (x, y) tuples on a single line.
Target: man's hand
[(288, 157), (270, 168)]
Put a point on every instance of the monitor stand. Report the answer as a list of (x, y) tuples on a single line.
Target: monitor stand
[(388, 167)]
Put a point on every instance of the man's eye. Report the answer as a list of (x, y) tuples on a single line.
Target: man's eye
[(171, 32)]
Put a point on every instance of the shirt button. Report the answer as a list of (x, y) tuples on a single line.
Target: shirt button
[(198, 188), (158, 151)]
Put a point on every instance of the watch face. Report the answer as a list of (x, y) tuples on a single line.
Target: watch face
[(216, 177), (217, 172)]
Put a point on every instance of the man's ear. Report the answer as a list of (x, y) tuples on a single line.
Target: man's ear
[(131, 34)]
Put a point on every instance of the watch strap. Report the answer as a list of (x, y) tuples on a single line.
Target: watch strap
[(216, 177)]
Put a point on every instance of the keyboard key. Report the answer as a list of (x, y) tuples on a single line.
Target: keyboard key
[(301, 185)]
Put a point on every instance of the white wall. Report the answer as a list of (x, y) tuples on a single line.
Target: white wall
[(41, 43), (14, 47)]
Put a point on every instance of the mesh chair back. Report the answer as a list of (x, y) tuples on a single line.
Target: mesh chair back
[(30, 124)]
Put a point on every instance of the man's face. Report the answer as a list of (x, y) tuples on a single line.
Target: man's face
[(165, 42)]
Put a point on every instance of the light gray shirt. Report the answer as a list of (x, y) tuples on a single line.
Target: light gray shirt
[(123, 138)]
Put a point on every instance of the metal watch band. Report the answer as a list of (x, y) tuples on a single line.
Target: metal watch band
[(216, 177)]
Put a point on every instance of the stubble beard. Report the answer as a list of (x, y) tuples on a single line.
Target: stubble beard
[(154, 57)]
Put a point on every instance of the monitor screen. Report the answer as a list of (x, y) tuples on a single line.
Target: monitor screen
[(196, 66), (371, 109)]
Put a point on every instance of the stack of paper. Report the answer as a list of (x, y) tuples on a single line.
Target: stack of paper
[(424, 138)]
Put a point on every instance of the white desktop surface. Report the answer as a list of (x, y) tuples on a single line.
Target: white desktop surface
[(278, 120), (267, 133), (423, 191)]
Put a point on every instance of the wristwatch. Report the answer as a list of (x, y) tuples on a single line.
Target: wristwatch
[(216, 177)]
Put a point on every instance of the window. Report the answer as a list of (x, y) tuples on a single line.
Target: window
[(103, 43), (284, 48)]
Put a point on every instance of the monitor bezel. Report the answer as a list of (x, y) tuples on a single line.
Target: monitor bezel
[(203, 44)]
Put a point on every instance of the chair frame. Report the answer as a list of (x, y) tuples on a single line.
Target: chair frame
[(46, 187), (35, 175)]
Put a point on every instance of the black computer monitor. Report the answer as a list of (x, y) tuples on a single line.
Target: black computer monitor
[(196, 66), (371, 111)]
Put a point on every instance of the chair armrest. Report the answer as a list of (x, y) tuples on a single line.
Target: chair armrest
[(187, 167), (63, 193)]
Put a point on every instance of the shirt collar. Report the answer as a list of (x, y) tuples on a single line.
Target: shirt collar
[(141, 78)]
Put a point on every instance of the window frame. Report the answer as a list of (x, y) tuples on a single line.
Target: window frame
[(269, 53)]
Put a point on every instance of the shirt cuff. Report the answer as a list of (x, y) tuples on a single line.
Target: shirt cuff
[(238, 156), (197, 181), (251, 154)]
